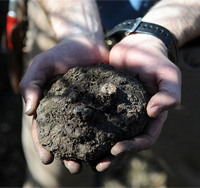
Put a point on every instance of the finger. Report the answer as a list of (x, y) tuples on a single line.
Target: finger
[(107, 162), (74, 167), (45, 156), (31, 95), (160, 102), (31, 88), (143, 141), (32, 85), (104, 164)]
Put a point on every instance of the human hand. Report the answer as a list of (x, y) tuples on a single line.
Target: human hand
[(145, 56), (46, 68)]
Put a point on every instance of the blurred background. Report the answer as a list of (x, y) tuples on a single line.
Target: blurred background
[(12, 162)]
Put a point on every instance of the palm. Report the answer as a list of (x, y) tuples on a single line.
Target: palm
[(146, 57)]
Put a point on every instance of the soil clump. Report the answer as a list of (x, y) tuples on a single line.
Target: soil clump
[(90, 109)]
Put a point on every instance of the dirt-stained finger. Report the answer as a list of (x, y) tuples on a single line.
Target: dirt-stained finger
[(45, 156)]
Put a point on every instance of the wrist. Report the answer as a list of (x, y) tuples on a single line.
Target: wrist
[(150, 41), (129, 27), (164, 23), (180, 17), (93, 50)]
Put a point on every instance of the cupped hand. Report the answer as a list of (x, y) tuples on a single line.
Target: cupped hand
[(53, 63), (46, 68), (145, 56)]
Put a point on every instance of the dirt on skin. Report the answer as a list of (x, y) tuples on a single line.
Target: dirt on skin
[(90, 109)]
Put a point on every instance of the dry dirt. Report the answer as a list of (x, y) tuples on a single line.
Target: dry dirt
[(90, 109)]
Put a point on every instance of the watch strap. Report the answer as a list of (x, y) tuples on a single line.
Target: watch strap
[(137, 26)]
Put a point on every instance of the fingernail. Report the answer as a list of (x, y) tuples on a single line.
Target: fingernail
[(155, 111), (28, 107)]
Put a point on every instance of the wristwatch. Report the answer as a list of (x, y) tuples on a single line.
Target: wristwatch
[(137, 26)]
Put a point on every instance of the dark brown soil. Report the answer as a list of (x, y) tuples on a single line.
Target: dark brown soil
[(88, 110)]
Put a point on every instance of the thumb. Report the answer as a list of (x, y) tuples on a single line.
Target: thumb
[(31, 95), (31, 85), (169, 91), (162, 101)]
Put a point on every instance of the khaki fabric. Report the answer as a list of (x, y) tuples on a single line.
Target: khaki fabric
[(40, 35)]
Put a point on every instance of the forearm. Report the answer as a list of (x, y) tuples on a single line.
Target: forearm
[(181, 17), (73, 18)]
